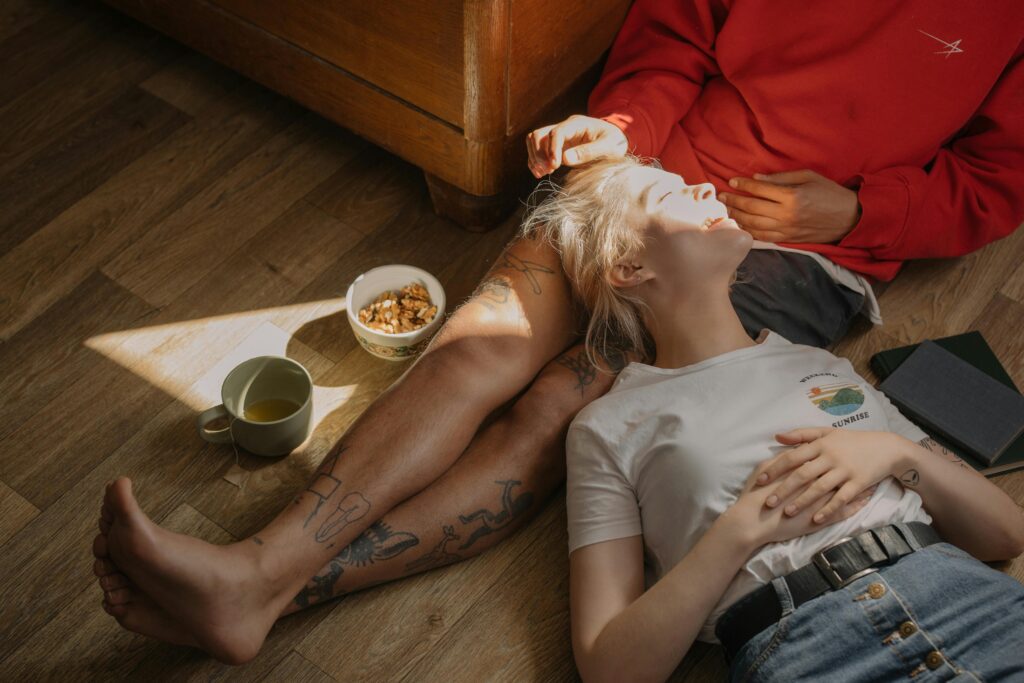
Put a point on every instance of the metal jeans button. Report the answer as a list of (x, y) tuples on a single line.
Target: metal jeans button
[(934, 659), (907, 629), (876, 590)]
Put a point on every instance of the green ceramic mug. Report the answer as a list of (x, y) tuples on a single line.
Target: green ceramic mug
[(268, 402)]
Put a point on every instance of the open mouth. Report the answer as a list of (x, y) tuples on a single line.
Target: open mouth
[(712, 222)]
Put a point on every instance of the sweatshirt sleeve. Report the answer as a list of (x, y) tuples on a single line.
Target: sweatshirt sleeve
[(970, 195), (656, 68)]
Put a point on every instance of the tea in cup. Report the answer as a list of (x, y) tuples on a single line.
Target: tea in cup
[(268, 403)]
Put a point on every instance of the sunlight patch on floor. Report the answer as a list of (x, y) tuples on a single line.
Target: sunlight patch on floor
[(189, 359)]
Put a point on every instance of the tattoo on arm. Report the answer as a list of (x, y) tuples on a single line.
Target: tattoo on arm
[(581, 367), (937, 448), (910, 478)]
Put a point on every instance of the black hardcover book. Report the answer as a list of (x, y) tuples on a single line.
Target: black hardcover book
[(973, 348)]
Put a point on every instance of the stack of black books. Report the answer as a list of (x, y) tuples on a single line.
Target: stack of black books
[(957, 391)]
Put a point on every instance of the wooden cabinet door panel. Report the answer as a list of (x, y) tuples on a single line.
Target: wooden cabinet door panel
[(412, 49)]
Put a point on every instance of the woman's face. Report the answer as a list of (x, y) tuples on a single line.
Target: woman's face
[(689, 238)]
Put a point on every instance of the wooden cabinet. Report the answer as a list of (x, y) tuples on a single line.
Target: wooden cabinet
[(452, 86)]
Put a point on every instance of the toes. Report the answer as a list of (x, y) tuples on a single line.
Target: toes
[(119, 498), (104, 526), (117, 611), (99, 546), (103, 567), (113, 581), (118, 596)]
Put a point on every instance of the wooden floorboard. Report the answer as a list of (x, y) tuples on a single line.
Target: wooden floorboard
[(164, 219)]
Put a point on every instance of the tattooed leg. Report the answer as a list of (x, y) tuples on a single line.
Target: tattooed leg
[(498, 484), (227, 597)]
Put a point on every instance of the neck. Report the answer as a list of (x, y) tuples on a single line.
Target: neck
[(695, 328)]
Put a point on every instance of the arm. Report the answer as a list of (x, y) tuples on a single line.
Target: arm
[(967, 509), (837, 464), (613, 619), (657, 68), (970, 195)]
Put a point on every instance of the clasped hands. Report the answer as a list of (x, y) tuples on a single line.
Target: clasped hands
[(797, 206), (827, 476)]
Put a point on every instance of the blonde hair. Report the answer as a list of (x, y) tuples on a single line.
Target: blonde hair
[(585, 221)]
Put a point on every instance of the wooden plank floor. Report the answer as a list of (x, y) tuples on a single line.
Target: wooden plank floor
[(163, 219)]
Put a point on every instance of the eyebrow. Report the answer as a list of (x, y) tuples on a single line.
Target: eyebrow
[(645, 195)]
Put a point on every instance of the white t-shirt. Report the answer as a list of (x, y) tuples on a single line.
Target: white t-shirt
[(666, 451)]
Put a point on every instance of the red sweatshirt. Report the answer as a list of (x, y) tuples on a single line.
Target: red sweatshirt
[(916, 104)]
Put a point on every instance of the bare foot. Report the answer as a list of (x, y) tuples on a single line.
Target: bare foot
[(213, 595)]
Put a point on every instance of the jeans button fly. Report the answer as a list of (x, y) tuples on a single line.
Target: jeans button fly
[(934, 659), (876, 590), (907, 629)]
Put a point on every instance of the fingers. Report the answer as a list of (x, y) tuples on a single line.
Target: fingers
[(761, 188), (535, 148), (788, 177), (796, 480), (804, 435), (752, 205), (846, 494), (786, 461), (826, 483), (763, 228)]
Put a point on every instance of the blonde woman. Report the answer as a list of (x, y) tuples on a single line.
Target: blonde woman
[(712, 497)]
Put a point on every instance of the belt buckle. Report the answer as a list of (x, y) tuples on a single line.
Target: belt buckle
[(828, 571)]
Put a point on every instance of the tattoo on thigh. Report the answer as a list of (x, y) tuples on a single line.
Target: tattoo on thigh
[(439, 556), (580, 365), (377, 542), (937, 448), (527, 268), (511, 508), (493, 292)]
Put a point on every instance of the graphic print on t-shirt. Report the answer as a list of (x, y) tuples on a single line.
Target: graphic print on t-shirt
[(837, 398)]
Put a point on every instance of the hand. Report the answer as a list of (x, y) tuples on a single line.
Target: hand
[(757, 523), (800, 206), (573, 142), (842, 462)]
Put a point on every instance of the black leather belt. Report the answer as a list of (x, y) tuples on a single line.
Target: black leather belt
[(832, 568)]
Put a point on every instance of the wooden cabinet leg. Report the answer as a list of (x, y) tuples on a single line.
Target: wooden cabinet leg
[(474, 213)]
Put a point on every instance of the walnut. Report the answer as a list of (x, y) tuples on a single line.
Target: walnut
[(403, 311)]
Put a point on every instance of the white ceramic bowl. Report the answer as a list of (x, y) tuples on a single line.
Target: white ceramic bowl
[(368, 286)]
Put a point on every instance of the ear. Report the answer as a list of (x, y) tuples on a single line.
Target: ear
[(628, 273)]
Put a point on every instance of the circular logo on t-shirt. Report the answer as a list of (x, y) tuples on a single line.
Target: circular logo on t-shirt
[(837, 399)]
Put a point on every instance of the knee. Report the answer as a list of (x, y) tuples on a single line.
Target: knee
[(563, 388)]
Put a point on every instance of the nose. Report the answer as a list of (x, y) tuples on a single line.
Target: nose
[(703, 191)]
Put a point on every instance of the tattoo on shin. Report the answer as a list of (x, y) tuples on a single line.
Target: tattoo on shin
[(580, 366), (493, 521), (527, 268), (439, 556), (324, 484), (377, 542), (937, 448)]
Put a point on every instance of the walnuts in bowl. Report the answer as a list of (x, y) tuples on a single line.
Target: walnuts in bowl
[(396, 312)]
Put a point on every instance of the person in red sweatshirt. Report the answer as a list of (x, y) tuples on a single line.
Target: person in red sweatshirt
[(859, 134)]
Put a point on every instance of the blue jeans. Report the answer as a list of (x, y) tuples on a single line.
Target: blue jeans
[(937, 600)]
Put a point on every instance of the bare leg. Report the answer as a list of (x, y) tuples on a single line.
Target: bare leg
[(499, 483), (227, 597)]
